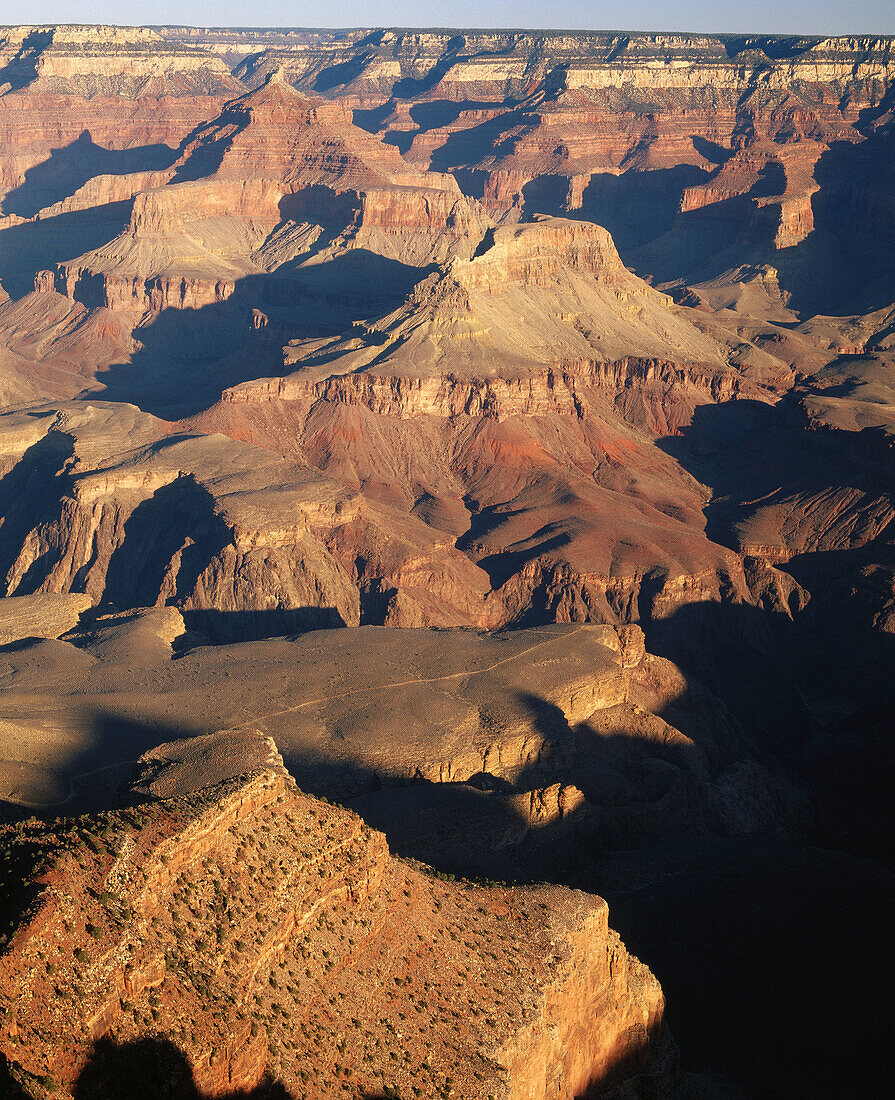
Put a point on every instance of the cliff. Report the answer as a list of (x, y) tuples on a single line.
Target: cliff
[(266, 934), (501, 64), (88, 61), (567, 334), (271, 157), (522, 755)]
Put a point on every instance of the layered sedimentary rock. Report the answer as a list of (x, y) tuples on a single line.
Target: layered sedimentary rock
[(44, 616), (77, 102), (132, 515), (519, 752), (547, 117), (98, 61), (268, 935), (509, 418), (271, 157), (474, 330), (549, 292), (540, 346), (501, 63)]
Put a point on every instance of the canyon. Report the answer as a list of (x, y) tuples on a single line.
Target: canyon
[(471, 453)]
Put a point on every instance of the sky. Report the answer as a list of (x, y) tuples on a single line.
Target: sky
[(769, 16)]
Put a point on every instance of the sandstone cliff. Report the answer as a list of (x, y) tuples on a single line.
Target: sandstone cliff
[(511, 754), (560, 332), (263, 932), (526, 432), (101, 61), (271, 157)]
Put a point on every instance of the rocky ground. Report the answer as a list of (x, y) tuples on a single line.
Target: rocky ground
[(271, 936)]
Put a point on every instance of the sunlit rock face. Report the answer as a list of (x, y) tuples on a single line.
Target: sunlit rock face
[(299, 921)]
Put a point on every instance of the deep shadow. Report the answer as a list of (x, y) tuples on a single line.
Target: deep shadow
[(845, 263), (495, 137), (711, 150), (852, 771), (634, 206), (705, 242), (153, 1069), (322, 206), (37, 246), (436, 113), (21, 69), (777, 47), (771, 181), (640, 791), (851, 209), (801, 654), (106, 765), (11, 1087), (210, 141), (752, 660), (505, 564), (746, 932), (412, 87), (341, 73), (746, 936), (751, 453), (178, 519), (30, 496), (226, 627), (219, 345), (372, 119), (69, 167)]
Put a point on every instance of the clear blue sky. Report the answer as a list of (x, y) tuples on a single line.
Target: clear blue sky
[(772, 16)]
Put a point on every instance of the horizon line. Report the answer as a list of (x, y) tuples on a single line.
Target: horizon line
[(458, 29)]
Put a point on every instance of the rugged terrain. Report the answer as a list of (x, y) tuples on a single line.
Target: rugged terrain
[(558, 367), (272, 936)]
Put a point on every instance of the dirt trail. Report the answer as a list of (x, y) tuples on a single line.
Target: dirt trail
[(405, 683)]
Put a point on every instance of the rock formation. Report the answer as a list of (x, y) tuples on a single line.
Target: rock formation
[(572, 352), (267, 934)]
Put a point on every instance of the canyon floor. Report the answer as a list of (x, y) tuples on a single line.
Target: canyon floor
[(446, 481)]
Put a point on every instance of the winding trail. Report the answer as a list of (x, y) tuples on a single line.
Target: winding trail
[(463, 673), (405, 683)]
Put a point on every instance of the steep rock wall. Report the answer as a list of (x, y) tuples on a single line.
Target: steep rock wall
[(245, 922)]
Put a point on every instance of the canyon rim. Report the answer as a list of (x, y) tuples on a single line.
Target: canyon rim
[(447, 569)]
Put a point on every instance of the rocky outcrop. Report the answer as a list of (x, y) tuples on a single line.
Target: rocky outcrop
[(243, 923), (45, 616), (273, 536), (568, 333), (274, 132), (517, 751), (550, 118), (270, 159), (500, 64), (90, 61)]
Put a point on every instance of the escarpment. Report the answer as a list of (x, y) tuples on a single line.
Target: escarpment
[(497, 423), (519, 751), (158, 522), (540, 347), (272, 156), (485, 414), (259, 934)]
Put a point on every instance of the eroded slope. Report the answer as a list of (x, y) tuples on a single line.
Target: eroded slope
[(266, 934)]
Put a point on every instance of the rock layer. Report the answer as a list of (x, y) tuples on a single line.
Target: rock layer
[(301, 927)]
